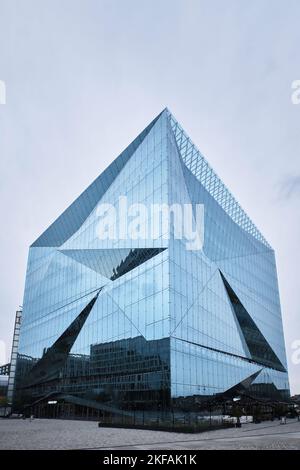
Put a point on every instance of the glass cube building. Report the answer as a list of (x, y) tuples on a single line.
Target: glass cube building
[(129, 323)]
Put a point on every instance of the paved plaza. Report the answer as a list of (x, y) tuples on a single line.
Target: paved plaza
[(71, 434)]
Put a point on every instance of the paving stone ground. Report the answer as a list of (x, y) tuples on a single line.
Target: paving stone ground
[(73, 434)]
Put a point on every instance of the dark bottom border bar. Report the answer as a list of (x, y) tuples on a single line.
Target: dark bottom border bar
[(136, 458)]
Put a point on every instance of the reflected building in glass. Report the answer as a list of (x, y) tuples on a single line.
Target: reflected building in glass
[(125, 323)]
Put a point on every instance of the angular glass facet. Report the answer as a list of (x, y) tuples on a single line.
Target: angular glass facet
[(260, 350)]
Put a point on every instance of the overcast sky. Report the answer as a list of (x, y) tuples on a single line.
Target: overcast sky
[(83, 78)]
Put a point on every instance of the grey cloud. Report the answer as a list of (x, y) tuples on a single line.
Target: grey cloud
[(290, 187)]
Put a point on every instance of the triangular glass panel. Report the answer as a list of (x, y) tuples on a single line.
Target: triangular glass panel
[(241, 387), (53, 360), (260, 350), (113, 263), (73, 217)]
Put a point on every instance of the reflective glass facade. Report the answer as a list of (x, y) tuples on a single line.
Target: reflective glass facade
[(126, 324)]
